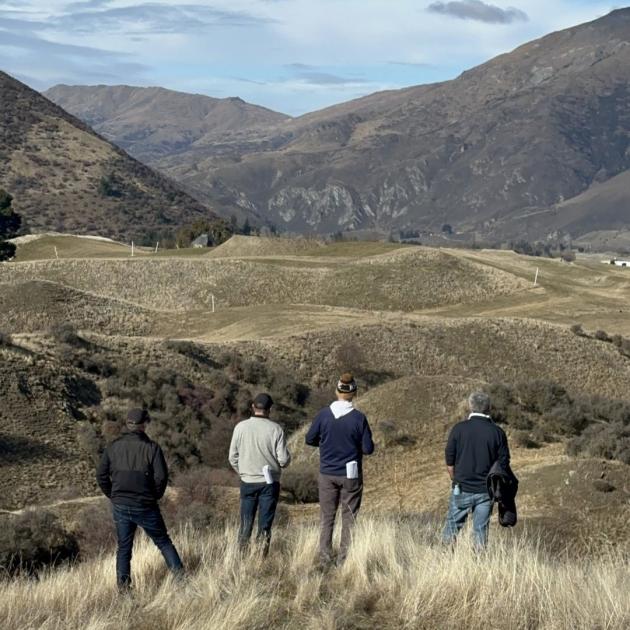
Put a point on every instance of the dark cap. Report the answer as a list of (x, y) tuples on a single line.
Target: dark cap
[(138, 416), (263, 401)]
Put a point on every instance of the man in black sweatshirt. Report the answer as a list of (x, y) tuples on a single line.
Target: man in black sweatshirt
[(343, 436), (473, 446), (133, 474)]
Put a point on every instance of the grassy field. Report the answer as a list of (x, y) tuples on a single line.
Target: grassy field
[(397, 576), (422, 328)]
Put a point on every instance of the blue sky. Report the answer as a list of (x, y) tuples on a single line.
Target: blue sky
[(293, 56)]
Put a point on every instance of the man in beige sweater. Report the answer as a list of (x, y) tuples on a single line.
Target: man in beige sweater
[(258, 452)]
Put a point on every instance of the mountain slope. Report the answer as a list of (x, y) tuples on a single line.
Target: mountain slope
[(153, 122), (65, 177), (517, 135)]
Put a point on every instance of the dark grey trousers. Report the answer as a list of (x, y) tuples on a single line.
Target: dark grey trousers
[(332, 492)]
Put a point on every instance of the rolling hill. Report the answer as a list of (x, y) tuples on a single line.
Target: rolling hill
[(65, 177), (499, 151)]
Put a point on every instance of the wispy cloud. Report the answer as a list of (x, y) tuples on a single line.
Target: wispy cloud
[(290, 55), (411, 64), (480, 11), (154, 18)]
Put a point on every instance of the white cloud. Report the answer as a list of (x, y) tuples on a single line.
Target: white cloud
[(247, 47)]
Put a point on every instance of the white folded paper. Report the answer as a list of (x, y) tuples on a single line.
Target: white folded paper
[(267, 473), (352, 470)]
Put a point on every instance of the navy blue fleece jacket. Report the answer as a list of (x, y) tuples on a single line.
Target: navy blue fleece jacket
[(340, 440)]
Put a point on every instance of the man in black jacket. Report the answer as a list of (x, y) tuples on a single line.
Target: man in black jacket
[(474, 446), (133, 474)]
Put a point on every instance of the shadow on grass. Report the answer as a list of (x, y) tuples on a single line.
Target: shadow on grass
[(16, 449)]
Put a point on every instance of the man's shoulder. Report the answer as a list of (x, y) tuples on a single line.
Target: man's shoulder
[(358, 415), (458, 426), (258, 424), (129, 440)]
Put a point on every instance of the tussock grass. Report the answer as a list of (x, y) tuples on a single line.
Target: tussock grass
[(397, 576)]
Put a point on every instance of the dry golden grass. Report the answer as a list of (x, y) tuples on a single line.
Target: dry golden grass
[(397, 576), (412, 280)]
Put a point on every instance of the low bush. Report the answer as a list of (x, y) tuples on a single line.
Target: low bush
[(543, 411), (95, 531), (32, 541), (5, 339), (66, 334), (301, 483), (192, 500), (390, 435)]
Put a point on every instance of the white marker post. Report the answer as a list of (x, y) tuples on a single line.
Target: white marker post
[(536, 278), (132, 249), (56, 253), (156, 247), (212, 296)]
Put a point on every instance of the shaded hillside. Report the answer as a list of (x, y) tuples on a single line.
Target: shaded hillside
[(513, 137), (154, 122), (65, 177)]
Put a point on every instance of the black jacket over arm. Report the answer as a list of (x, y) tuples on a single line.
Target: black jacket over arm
[(502, 488), (133, 471)]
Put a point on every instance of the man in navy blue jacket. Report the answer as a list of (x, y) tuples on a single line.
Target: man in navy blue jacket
[(343, 436)]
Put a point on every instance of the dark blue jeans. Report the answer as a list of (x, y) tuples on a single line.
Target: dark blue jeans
[(459, 507), (261, 497), (127, 520)]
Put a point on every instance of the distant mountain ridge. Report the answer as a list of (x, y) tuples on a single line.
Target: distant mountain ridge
[(153, 122), (67, 178), (499, 151)]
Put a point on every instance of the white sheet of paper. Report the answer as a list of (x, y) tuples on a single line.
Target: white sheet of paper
[(352, 470), (267, 473)]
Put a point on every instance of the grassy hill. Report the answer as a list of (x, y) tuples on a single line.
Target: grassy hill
[(421, 328)]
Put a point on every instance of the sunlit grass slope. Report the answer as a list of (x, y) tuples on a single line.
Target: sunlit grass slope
[(397, 576)]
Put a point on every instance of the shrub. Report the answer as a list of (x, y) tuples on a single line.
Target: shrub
[(610, 441), (391, 435), (602, 335), (34, 540), (349, 357), (67, 334), (192, 500), (95, 531), (578, 330), (5, 339), (523, 439), (302, 484)]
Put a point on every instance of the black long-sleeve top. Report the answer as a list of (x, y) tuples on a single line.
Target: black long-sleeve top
[(473, 446), (133, 471)]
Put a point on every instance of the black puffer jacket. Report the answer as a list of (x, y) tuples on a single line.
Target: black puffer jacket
[(133, 471), (502, 488)]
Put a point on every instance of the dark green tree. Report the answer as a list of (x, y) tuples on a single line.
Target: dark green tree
[(10, 223)]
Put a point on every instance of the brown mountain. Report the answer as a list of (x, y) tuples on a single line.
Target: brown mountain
[(154, 122), (65, 177), (497, 151)]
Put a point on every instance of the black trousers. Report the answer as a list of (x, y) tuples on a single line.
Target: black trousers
[(261, 498)]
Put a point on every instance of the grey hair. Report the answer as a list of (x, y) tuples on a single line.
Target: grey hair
[(479, 402)]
